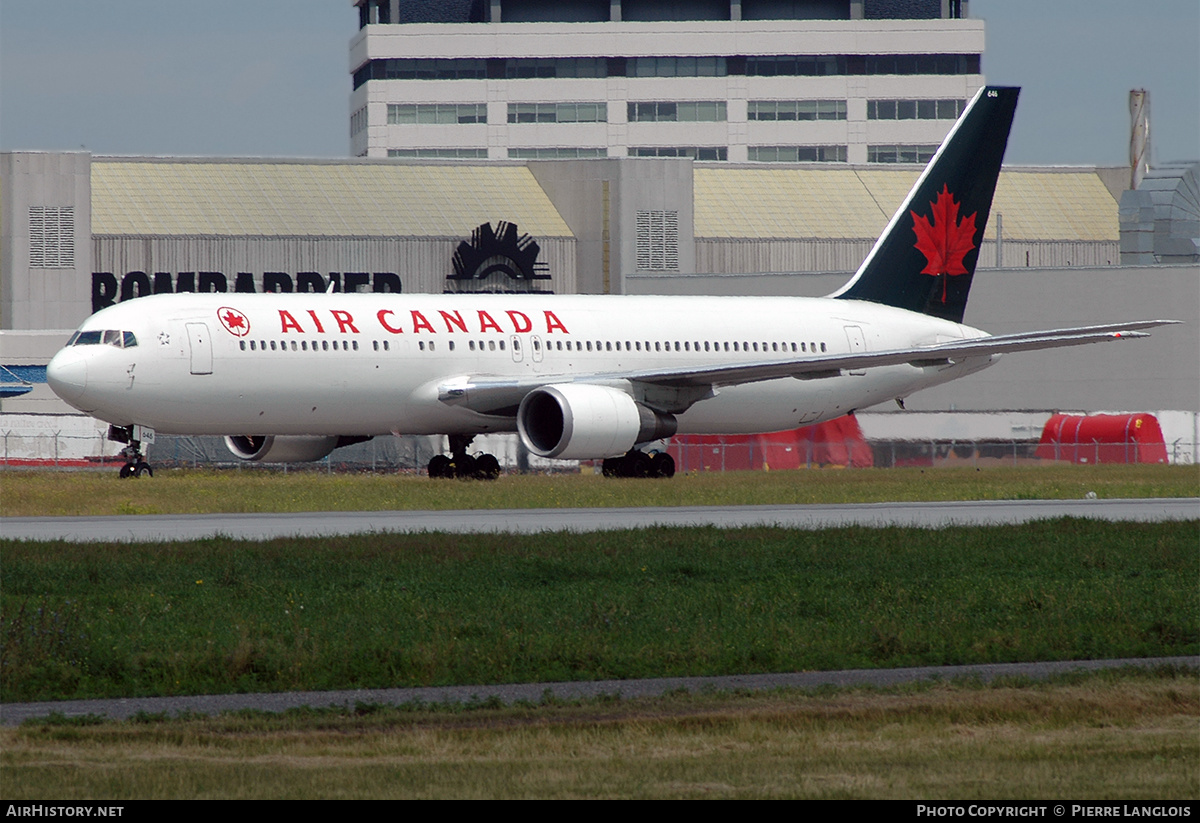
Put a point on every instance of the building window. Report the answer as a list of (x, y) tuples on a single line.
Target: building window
[(358, 121), (557, 112), (676, 67), (658, 240), (451, 154), (694, 152), (441, 113), (52, 237), (900, 154), (796, 110), (530, 67), (472, 68), (858, 64), (555, 153), (797, 154), (915, 109), (449, 68), (700, 111)]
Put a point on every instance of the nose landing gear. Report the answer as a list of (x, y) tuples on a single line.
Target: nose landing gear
[(135, 461), (462, 465)]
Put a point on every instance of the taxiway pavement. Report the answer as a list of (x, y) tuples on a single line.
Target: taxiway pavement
[(140, 528)]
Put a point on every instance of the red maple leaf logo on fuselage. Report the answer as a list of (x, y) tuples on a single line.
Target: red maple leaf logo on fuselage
[(944, 240), (234, 321)]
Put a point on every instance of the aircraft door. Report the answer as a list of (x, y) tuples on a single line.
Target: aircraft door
[(858, 344), (518, 354), (535, 343), (201, 348)]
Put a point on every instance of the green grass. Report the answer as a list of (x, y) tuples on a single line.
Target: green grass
[(431, 609), (205, 491), (1108, 736)]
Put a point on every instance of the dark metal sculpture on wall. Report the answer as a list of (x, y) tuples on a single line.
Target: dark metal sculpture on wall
[(479, 264)]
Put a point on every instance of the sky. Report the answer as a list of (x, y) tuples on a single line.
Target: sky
[(271, 77)]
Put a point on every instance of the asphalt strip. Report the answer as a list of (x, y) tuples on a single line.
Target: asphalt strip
[(138, 528), (12, 714)]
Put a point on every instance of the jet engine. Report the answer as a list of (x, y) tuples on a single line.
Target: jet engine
[(286, 449), (576, 421)]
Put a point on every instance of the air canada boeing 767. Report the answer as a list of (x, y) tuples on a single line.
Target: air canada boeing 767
[(290, 377)]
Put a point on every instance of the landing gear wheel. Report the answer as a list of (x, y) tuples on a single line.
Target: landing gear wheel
[(613, 466), (487, 467), (440, 466), (636, 463), (135, 462), (662, 465), (464, 465)]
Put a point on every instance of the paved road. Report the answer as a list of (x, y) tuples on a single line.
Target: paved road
[(12, 714), (266, 526)]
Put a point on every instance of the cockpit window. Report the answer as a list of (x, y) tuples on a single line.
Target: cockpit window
[(110, 337)]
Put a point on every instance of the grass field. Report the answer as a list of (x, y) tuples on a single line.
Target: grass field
[(1110, 736), (217, 615), (199, 491), (384, 610)]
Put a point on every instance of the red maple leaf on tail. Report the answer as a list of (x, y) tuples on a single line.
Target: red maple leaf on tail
[(943, 239)]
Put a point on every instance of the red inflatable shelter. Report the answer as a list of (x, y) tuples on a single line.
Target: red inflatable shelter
[(1103, 438), (837, 442)]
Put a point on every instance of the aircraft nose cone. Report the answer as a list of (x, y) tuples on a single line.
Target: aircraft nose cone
[(67, 375)]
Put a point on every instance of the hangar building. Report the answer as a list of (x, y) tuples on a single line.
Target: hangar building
[(80, 232)]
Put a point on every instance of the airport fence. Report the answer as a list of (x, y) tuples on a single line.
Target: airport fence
[(412, 453)]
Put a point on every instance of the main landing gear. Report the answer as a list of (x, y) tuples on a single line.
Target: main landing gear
[(462, 465), (635, 463)]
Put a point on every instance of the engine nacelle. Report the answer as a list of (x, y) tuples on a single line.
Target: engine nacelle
[(576, 421), (286, 448)]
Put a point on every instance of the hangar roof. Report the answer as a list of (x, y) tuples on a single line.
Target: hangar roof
[(184, 197), (856, 203)]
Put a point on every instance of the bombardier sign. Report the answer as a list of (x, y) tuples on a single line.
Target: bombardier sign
[(496, 259), (108, 289)]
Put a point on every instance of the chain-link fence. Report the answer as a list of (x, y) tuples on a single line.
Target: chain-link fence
[(735, 453)]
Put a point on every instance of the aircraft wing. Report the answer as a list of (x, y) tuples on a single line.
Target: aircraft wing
[(501, 396)]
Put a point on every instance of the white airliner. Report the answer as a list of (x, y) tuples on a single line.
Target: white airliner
[(289, 377)]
